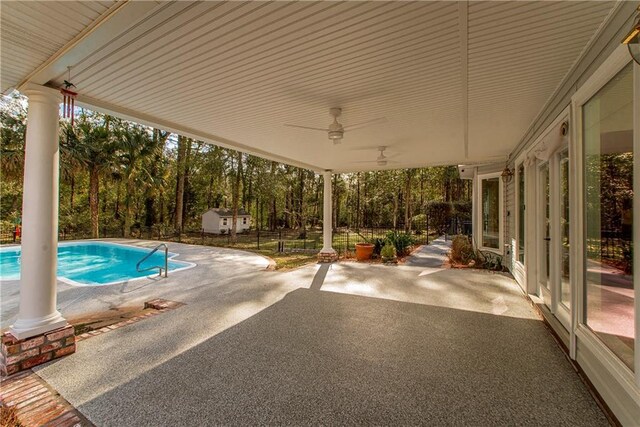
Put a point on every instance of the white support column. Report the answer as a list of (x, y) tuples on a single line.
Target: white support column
[(327, 254), (38, 313)]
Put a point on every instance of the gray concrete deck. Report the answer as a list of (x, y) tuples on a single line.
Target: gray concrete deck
[(345, 343)]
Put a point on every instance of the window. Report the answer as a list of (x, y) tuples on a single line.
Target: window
[(608, 173), (244, 220), (521, 195), (224, 221), (491, 218)]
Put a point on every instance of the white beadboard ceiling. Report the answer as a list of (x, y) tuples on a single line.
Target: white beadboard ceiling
[(32, 32), (457, 82)]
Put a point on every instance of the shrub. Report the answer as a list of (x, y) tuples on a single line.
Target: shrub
[(377, 246), (462, 250), (401, 241), (439, 216), (388, 250), (490, 261)]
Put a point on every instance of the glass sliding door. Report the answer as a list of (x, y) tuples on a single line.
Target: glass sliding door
[(552, 268), (521, 203), (608, 175), (544, 232)]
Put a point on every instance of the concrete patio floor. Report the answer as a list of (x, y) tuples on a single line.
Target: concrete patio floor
[(345, 343)]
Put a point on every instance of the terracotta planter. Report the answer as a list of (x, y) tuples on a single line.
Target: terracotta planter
[(364, 251)]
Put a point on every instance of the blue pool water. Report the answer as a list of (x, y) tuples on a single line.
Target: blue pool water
[(93, 263)]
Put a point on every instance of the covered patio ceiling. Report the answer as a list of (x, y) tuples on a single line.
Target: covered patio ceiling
[(456, 82)]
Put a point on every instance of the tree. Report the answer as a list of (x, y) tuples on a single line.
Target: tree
[(133, 147), (181, 167), (235, 196), (93, 148)]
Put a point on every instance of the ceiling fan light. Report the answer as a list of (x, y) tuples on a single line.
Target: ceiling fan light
[(333, 135)]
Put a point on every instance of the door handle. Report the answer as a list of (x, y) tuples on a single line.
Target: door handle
[(548, 239)]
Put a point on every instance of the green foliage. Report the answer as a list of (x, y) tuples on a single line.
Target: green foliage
[(440, 214), (489, 261), (378, 243), (462, 252), (627, 257), (402, 242), (388, 250)]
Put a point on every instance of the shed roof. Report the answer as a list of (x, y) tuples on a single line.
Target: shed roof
[(228, 212)]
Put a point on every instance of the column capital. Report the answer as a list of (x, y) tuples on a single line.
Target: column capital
[(39, 93)]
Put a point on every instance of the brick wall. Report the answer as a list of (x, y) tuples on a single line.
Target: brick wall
[(19, 355)]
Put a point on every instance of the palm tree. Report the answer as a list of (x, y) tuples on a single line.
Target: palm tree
[(134, 145), (91, 146)]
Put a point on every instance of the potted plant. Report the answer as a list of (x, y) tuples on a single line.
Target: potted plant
[(388, 253), (363, 251)]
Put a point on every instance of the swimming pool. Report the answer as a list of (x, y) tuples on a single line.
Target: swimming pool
[(93, 263)]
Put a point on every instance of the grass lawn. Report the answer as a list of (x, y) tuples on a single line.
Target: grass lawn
[(283, 260)]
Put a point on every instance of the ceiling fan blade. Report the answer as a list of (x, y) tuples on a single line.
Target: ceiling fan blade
[(306, 127), (364, 124), (365, 161)]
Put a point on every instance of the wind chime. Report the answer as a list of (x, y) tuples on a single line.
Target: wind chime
[(69, 98)]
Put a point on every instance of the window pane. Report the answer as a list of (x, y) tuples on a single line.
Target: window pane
[(608, 147), (491, 213), (565, 287), (521, 213)]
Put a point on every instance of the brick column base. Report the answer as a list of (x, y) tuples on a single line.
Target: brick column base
[(327, 256), (18, 355)]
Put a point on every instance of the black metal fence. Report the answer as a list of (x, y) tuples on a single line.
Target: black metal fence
[(280, 240)]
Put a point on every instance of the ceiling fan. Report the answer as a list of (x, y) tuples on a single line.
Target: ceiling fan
[(381, 160), (336, 130)]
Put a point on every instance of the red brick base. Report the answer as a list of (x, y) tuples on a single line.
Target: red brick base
[(18, 355), (327, 256)]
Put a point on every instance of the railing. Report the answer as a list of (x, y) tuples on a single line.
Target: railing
[(166, 260)]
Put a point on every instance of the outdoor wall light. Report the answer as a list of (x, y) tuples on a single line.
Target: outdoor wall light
[(506, 175), (632, 40)]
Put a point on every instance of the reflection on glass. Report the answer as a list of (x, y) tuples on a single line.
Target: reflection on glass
[(521, 213), (565, 287), (491, 213), (608, 169)]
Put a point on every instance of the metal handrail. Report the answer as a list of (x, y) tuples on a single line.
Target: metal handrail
[(166, 260)]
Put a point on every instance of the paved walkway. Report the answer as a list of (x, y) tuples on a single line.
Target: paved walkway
[(433, 255), (345, 343)]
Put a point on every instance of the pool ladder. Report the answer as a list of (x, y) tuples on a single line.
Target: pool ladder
[(160, 268)]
